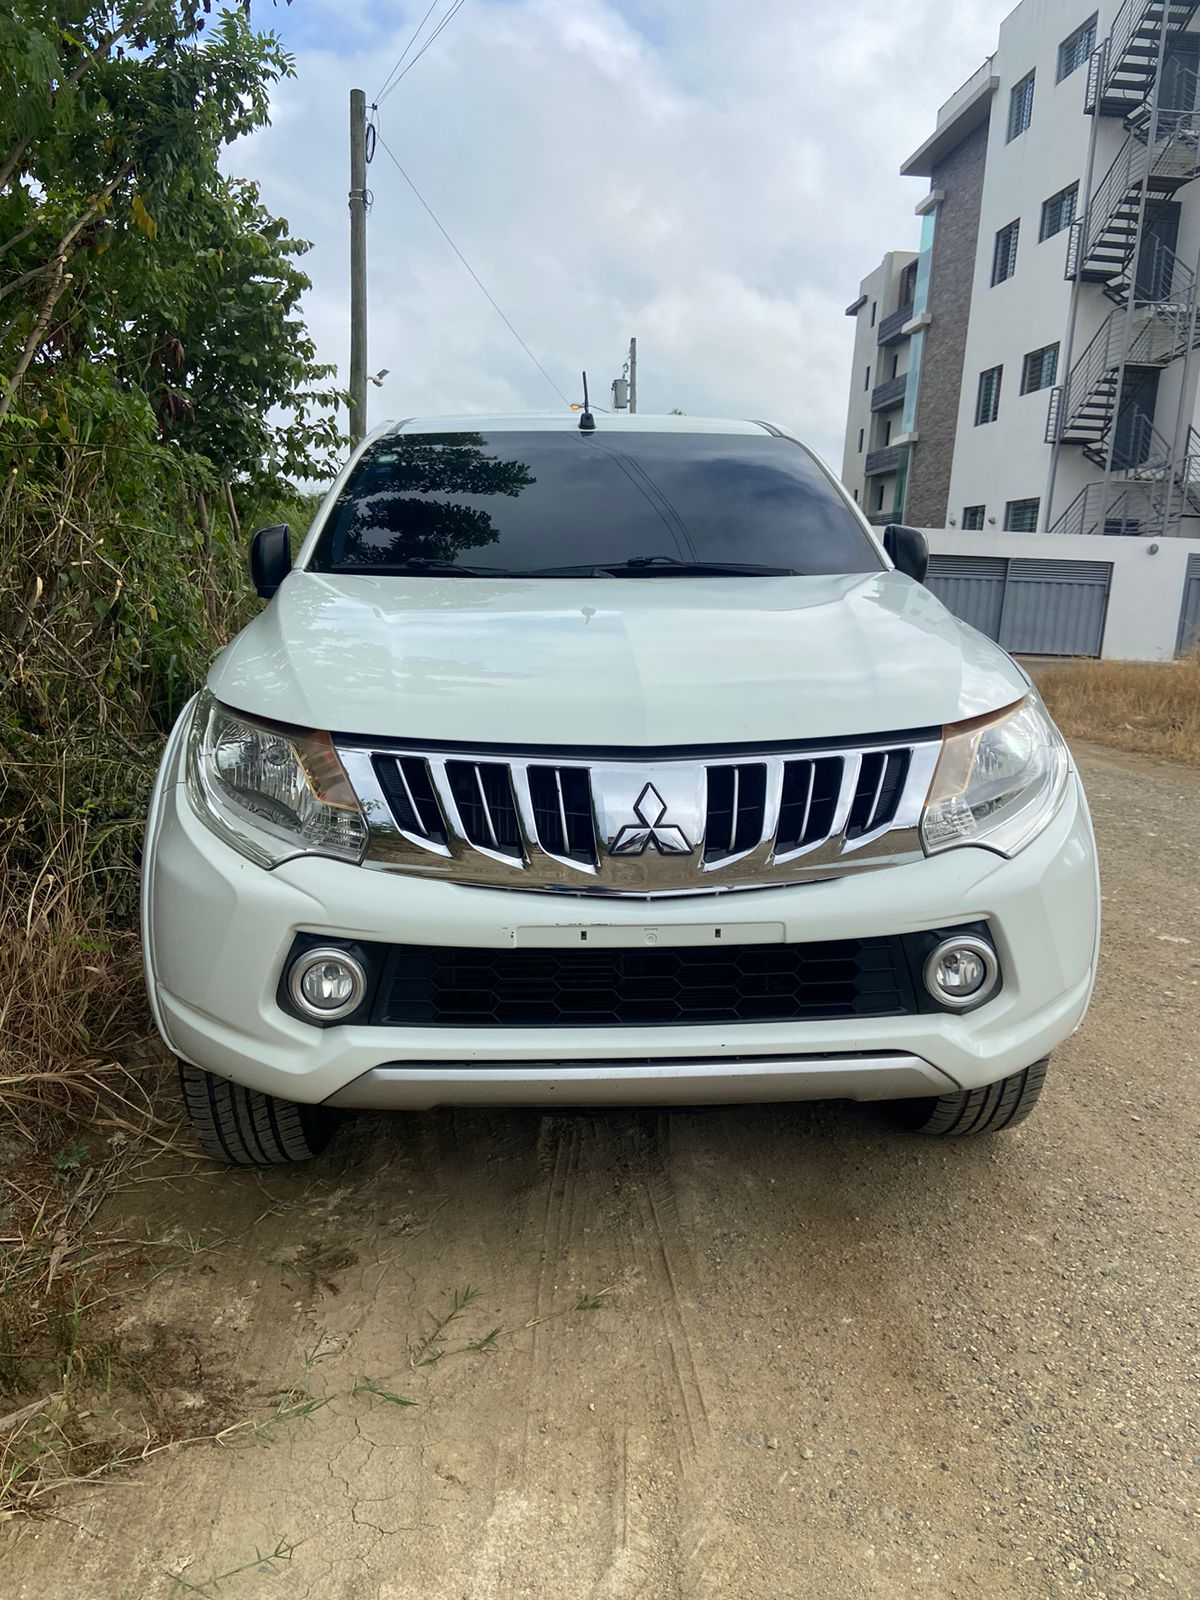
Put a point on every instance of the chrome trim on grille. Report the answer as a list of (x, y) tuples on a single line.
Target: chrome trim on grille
[(652, 809)]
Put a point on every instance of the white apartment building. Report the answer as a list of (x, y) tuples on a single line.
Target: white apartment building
[(874, 421), (1050, 345)]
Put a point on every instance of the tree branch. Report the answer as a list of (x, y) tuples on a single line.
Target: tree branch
[(103, 46), (17, 237), (57, 268)]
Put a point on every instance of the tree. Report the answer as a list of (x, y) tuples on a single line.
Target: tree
[(130, 262)]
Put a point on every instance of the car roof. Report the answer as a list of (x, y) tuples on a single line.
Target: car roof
[(568, 421)]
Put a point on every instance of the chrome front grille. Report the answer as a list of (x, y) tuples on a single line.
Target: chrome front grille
[(667, 826)]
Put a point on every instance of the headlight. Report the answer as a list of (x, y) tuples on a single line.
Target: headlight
[(998, 782), (271, 794)]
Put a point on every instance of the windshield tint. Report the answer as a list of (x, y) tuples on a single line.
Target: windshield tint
[(520, 502)]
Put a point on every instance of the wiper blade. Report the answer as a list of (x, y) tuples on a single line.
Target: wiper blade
[(670, 567), (437, 569)]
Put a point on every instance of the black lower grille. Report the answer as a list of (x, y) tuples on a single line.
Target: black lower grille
[(437, 986)]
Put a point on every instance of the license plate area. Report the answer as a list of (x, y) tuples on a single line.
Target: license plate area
[(657, 935)]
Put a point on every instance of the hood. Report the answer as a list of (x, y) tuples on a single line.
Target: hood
[(611, 662)]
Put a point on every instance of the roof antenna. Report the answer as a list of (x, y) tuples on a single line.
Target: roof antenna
[(587, 422)]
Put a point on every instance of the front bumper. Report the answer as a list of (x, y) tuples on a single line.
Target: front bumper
[(217, 929)]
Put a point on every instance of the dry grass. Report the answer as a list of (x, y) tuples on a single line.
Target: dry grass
[(1149, 706), (79, 1076)]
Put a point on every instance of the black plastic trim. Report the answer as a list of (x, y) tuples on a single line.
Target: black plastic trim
[(593, 752), (382, 961)]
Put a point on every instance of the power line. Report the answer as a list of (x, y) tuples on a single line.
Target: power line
[(471, 270), (449, 17), (416, 32)]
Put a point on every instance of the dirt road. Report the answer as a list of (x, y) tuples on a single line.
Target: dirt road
[(742, 1353)]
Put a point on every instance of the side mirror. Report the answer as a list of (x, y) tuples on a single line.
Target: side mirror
[(270, 558), (909, 550)]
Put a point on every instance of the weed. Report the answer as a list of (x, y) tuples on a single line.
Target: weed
[(369, 1386), (321, 1351), (266, 1564), (592, 1302), (487, 1342), (69, 1160), (297, 1400), (431, 1346)]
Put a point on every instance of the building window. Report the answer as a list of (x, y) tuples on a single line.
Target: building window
[(856, 497), (867, 379), (895, 363), (860, 440), (1021, 516), (1020, 107), (874, 308), (972, 518), (908, 284), (987, 401), (1058, 212), (1076, 48), (879, 498), (1039, 369), (887, 432), (1004, 256)]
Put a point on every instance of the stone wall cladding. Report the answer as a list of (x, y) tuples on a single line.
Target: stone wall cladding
[(955, 243)]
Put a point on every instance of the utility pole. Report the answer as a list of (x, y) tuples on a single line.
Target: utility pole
[(633, 375), (358, 265)]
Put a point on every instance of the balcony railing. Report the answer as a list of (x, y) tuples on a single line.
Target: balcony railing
[(887, 396), (889, 327), (880, 462)]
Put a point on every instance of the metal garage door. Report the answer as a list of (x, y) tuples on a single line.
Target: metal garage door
[(1055, 608), (1052, 608), (972, 587), (1189, 611)]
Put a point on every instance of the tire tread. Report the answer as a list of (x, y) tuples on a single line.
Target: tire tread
[(244, 1128), (991, 1109)]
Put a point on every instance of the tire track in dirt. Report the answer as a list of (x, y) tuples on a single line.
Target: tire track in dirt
[(668, 1263), (557, 1154), (613, 1411), (660, 1248)]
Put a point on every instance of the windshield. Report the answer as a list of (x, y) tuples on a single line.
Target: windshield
[(523, 503)]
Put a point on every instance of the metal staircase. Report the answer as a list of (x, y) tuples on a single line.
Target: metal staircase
[(1163, 278), (1150, 500), (1084, 408), (1156, 467), (1124, 244), (1103, 241), (1121, 72)]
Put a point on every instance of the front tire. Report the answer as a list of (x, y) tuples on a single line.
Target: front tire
[(988, 1110), (244, 1128)]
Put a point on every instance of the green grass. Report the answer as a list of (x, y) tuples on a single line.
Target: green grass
[(267, 1564), (486, 1342), (370, 1386), (430, 1347)]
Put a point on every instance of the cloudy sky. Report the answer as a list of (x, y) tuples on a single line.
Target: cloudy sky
[(712, 176)]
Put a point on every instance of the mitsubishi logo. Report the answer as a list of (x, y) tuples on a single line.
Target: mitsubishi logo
[(635, 837)]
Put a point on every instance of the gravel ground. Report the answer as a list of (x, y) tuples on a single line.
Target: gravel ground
[(761, 1351)]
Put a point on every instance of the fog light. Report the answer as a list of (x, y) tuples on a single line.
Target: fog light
[(326, 984), (962, 973)]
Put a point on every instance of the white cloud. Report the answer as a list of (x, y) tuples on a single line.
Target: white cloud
[(712, 177)]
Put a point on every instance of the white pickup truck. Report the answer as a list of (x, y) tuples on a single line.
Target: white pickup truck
[(608, 763)]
